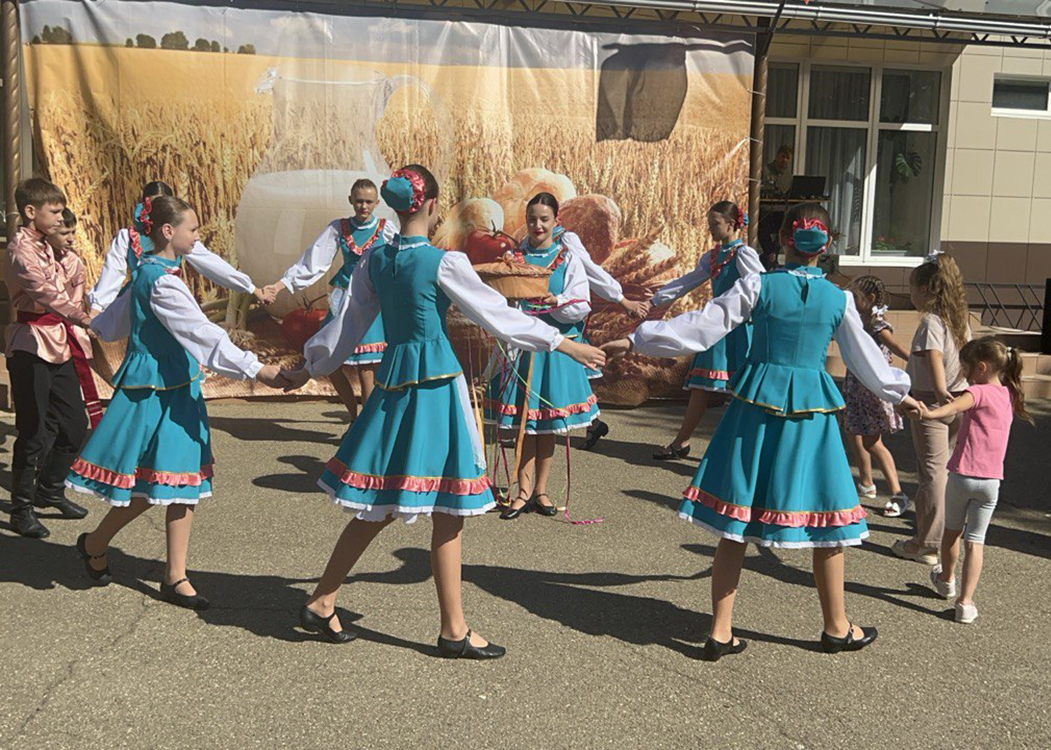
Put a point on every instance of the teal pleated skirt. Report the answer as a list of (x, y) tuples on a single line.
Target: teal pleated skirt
[(712, 369), (777, 481), (560, 396), (411, 451), (153, 444)]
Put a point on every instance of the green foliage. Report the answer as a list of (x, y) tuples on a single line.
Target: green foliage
[(246, 49), (145, 41), (175, 40)]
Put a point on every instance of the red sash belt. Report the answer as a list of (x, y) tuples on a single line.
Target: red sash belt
[(80, 360)]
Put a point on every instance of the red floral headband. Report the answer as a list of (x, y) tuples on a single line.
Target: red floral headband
[(809, 236), (404, 191), (144, 217)]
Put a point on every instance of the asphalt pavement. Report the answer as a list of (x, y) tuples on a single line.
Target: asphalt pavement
[(603, 622)]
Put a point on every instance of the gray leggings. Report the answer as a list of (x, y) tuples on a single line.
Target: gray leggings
[(969, 503)]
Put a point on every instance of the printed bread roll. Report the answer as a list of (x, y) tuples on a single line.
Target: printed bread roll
[(596, 219), (464, 218)]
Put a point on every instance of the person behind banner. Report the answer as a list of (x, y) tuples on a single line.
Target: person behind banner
[(712, 368), (549, 391), (130, 243), (47, 349), (153, 447), (349, 238), (415, 449), (775, 472)]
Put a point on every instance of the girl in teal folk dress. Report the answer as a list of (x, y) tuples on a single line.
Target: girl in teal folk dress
[(731, 259), (775, 472), (415, 449), (560, 398), (349, 238), (152, 447)]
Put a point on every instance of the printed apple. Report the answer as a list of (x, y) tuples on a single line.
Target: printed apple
[(299, 325), (488, 247)]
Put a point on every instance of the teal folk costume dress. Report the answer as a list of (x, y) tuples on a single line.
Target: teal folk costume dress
[(559, 395), (712, 369), (350, 240), (153, 441), (775, 472), (415, 448)]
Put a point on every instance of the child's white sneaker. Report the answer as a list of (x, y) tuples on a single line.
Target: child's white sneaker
[(866, 491), (897, 505), (945, 589), (966, 613)]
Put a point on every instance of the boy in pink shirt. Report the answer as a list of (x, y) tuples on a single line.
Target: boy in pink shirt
[(989, 406)]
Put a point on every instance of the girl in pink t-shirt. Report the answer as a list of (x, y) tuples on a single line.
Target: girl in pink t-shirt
[(989, 405)]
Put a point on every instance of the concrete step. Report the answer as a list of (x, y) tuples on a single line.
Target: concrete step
[(1036, 364), (1027, 341), (1036, 387)]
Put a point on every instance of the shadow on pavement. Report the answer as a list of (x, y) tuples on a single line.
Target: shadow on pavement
[(266, 606), (301, 482), (270, 430)]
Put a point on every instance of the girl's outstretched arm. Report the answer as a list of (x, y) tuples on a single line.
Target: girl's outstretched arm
[(886, 337), (685, 284), (963, 403), (111, 278), (218, 271), (698, 330), (314, 261)]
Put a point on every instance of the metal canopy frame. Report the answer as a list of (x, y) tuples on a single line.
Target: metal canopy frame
[(754, 17)]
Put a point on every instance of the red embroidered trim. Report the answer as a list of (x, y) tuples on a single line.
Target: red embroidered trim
[(136, 241), (144, 217), (510, 410), (347, 230), (151, 476), (817, 519), (369, 348), (411, 484), (700, 372), (716, 268)]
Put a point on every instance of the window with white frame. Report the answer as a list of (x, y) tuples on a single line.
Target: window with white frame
[(1019, 96), (874, 133)]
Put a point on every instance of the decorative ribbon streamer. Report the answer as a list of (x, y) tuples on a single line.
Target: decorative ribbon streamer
[(80, 360)]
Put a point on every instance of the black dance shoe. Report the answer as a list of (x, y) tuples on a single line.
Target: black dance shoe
[(832, 645), (63, 505), (670, 454), (596, 432), (25, 523), (511, 514), (170, 595), (315, 623), (100, 577), (715, 650), (544, 510), (464, 650)]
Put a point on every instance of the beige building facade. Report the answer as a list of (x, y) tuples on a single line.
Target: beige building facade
[(923, 146)]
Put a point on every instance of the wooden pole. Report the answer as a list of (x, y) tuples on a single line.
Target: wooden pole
[(755, 153), (10, 51)]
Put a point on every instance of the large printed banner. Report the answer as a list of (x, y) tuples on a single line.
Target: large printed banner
[(263, 119)]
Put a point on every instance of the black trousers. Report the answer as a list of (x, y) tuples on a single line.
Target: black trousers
[(51, 422)]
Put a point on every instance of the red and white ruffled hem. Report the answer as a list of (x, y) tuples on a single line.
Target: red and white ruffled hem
[(162, 501), (448, 485), (142, 474), (788, 519), (536, 415), (852, 542), (409, 514)]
